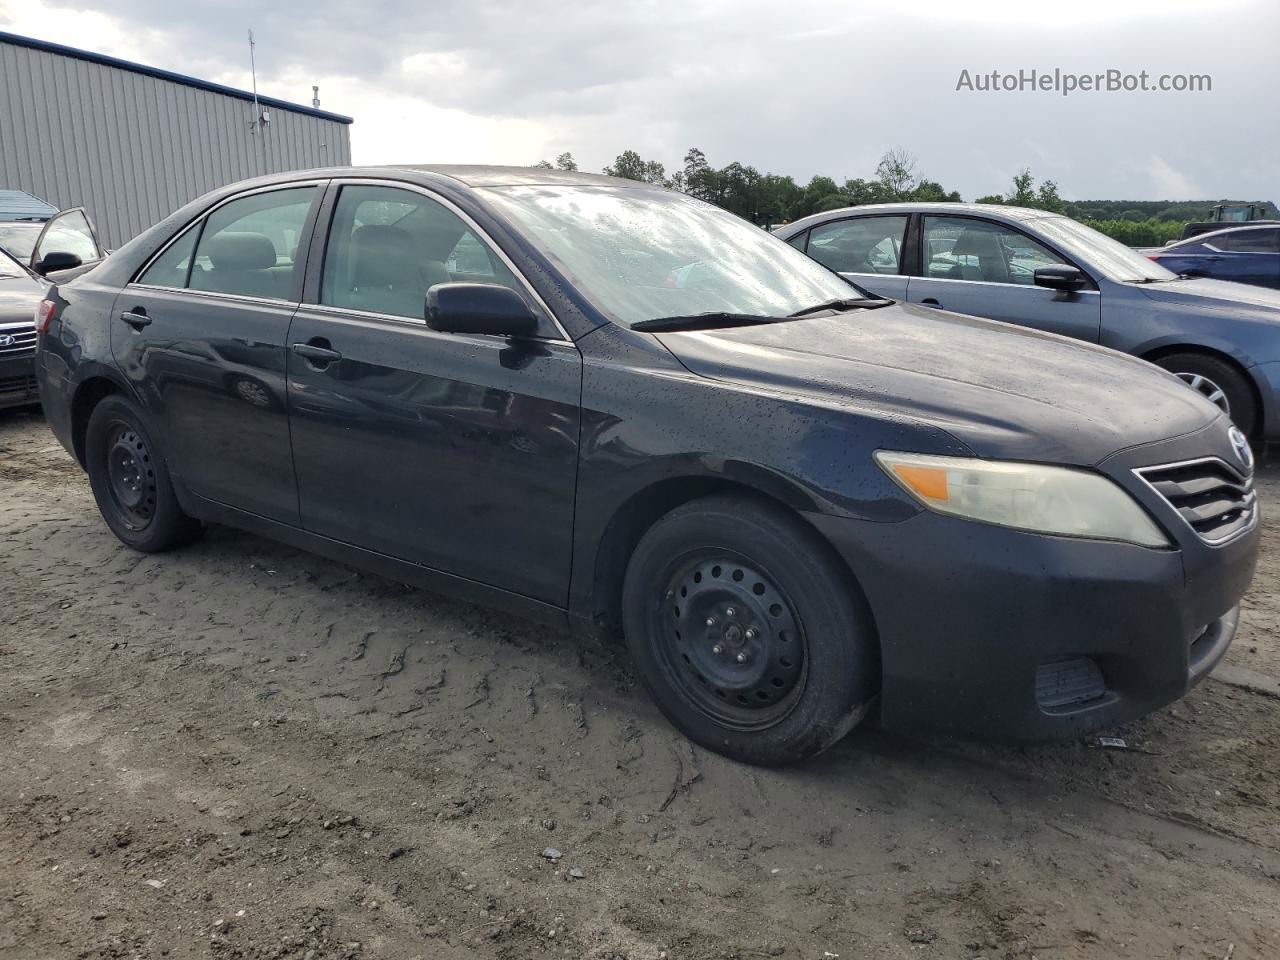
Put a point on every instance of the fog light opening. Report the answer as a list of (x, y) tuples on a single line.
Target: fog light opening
[(1068, 683)]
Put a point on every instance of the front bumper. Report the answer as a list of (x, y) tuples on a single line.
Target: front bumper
[(989, 631), (1266, 377), (18, 381)]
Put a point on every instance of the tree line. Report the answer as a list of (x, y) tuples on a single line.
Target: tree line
[(767, 199)]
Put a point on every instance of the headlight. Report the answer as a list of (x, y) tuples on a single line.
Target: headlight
[(1028, 496)]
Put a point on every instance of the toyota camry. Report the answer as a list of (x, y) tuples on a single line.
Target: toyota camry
[(610, 405)]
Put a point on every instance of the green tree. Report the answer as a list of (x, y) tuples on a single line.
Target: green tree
[(630, 166), (563, 162), (1024, 194), (698, 178), (930, 191)]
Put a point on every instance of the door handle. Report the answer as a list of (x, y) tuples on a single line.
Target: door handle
[(136, 318), (930, 302), (317, 355)]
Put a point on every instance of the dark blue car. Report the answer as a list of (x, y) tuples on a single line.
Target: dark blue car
[(1242, 254)]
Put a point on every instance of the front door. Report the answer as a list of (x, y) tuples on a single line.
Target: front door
[(72, 241), (201, 333), (988, 269), (458, 452)]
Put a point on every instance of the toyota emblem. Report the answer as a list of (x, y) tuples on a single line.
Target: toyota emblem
[(6, 340), (1243, 451)]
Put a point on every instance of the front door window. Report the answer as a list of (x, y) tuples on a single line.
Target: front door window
[(961, 248)]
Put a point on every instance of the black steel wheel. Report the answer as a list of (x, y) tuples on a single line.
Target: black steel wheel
[(733, 640), (747, 630), (131, 482), (131, 476)]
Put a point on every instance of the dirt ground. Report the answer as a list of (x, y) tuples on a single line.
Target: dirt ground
[(242, 751)]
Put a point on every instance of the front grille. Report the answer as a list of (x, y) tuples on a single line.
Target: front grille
[(17, 385), (16, 341), (1213, 498)]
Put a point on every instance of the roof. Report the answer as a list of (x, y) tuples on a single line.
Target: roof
[(16, 205), (168, 75), (996, 211), (1207, 235), (480, 175)]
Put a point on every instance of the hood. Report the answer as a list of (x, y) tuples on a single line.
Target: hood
[(1205, 294), (1002, 390), (18, 299)]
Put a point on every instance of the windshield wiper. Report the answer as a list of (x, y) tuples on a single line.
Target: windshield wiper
[(702, 321), (855, 303)]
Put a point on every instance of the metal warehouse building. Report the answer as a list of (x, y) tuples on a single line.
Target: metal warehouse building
[(131, 143)]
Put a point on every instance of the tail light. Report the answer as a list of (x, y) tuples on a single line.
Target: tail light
[(44, 315)]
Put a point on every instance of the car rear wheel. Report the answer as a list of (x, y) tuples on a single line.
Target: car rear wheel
[(1216, 381), (130, 481), (747, 632)]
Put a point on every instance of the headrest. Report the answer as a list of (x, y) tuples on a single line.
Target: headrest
[(382, 256), (976, 243), (240, 251)]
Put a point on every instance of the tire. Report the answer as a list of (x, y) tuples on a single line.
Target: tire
[(1219, 382), (776, 595), (130, 481)]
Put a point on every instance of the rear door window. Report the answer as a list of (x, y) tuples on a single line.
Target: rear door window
[(170, 269), (860, 245), (249, 247)]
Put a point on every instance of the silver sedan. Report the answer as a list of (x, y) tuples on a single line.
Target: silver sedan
[(1047, 271)]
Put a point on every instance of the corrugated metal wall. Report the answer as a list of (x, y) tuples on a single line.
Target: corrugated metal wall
[(132, 148)]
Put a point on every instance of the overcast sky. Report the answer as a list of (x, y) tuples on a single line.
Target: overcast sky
[(797, 87)]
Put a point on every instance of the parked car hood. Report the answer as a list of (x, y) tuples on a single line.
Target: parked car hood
[(18, 298), (1205, 294), (1004, 391)]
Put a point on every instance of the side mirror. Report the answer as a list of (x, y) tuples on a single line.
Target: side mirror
[(479, 308), (1061, 278), (57, 260)]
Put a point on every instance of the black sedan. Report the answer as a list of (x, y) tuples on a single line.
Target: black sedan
[(613, 406), (20, 292), (61, 247)]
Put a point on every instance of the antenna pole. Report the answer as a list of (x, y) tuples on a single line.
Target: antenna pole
[(253, 69)]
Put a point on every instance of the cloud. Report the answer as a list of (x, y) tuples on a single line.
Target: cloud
[(800, 88), (1168, 183)]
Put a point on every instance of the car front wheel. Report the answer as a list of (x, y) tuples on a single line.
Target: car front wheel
[(130, 481), (747, 632), (1219, 383)]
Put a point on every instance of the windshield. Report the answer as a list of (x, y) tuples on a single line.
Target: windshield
[(1112, 257), (19, 239), (641, 254), (9, 268)]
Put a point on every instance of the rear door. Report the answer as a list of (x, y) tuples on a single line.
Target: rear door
[(866, 250), (201, 332), (455, 451), (987, 269)]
